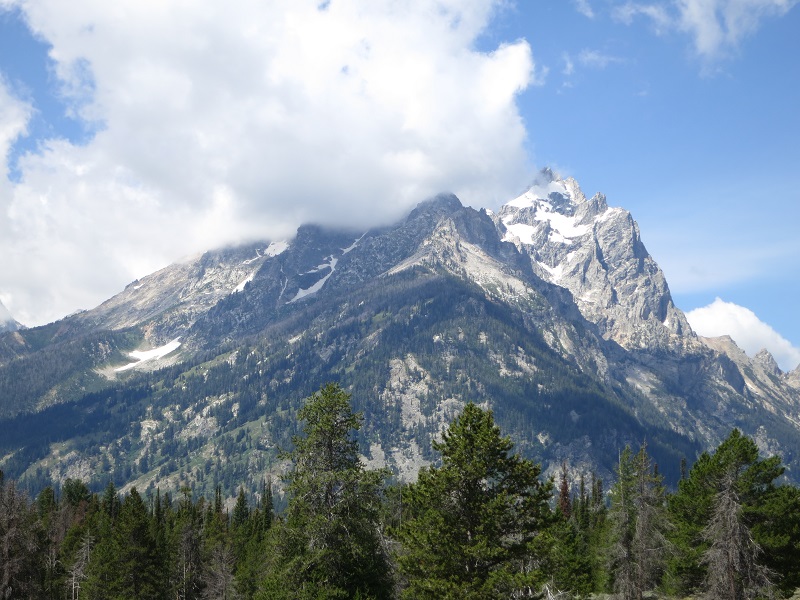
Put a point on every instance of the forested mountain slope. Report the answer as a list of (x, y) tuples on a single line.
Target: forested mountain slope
[(551, 312)]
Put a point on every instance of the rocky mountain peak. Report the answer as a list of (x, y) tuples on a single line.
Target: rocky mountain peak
[(439, 206), (767, 362), (551, 193), (596, 253)]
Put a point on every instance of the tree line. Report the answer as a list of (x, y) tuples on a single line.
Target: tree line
[(484, 523)]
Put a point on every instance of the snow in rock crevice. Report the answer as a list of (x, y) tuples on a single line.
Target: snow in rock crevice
[(143, 356), (302, 293)]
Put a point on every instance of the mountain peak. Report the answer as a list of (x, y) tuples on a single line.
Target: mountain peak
[(7, 322), (550, 189), (441, 204), (767, 361)]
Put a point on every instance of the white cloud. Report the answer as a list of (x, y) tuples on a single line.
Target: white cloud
[(5, 316), (717, 27), (14, 117), (583, 7), (569, 65), (218, 122), (597, 60), (747, 330), (657, 13)]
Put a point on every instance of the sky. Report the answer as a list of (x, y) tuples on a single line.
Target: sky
[(137, 132)]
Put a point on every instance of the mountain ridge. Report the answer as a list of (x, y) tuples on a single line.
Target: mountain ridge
[(550, 311)]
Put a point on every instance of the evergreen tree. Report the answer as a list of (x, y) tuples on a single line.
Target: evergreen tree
[(638, 526), (330, 544), (471, 525), (186, 550), (734, 470), (564, 499), (138, 573), (775, 522)]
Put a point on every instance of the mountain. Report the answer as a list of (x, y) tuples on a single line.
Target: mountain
[(551, 312), (7, 322)]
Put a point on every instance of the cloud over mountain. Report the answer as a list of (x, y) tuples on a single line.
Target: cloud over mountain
[(747, 330), (221, 122)]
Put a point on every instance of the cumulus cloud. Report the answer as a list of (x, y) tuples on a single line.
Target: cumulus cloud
[(14, 117), (220, 122), (717, 27), (749, 332)]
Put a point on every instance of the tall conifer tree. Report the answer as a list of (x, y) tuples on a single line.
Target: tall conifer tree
[(471, 524)]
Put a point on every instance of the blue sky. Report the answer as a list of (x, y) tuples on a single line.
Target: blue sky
[(137, 133)]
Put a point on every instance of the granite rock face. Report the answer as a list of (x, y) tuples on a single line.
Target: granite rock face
[(596, 253)]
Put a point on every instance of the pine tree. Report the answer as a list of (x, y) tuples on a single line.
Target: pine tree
[(471, 525), (693, 506), (330, 544), (138, 572), (186, 550), (564, 499), (638, 526)]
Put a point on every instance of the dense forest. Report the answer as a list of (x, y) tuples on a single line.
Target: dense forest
[(482, 523)]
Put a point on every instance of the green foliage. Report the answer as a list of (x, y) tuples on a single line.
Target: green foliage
[(639, 525), (330, 544), (752, 480), (470, 526), (479, 525)]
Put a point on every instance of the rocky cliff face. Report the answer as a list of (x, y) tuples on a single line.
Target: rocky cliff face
[(551, 312), (597, 254)]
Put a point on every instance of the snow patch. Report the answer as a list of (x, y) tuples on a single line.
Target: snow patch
[(273, 249), (607, 214), (354, 244), (555, 272), (567, 227), (276, 248), (541, 192), (521, 231), (143, 356), (302, 293), (245, 281)]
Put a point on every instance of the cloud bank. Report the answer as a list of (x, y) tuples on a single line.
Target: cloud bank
[(747, 330), (219, 122)]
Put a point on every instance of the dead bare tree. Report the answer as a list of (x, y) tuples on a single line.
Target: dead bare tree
[(219, 580), (18, 532), (733, 571), (77, 572)]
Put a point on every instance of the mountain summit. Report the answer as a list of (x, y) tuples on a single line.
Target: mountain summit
[(597, 254), (7, 322), (551, 312)]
